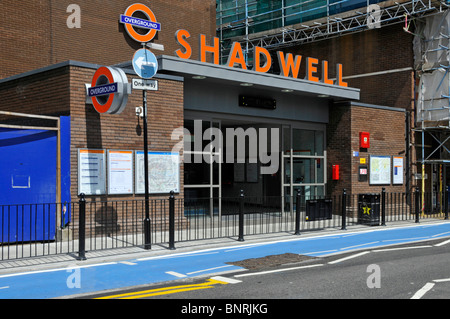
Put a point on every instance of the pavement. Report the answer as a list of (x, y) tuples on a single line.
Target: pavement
[(65, 277)]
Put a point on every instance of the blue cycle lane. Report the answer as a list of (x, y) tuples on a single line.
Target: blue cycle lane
[(81, 279)]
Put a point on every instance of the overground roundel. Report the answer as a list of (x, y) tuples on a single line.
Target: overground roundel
[(109, 90), (131, 22)]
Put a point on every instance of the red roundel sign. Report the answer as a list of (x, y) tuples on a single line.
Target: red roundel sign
[(109, 90), (131, 22)]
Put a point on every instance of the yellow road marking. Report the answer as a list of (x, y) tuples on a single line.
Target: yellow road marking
[(166, 290)]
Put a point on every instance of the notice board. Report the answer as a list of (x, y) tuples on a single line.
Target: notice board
[(380, 170), (163, 169), (120, 172), (91, 171)]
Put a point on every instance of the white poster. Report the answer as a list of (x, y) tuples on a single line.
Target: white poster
[(120, 172), (91, 172), (380, 170), (397, 170), (163, 172)]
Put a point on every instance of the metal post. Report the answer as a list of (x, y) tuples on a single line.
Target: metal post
[(172, 221), (241, 216), (383, 206), (417, 200), (82, 228), (297, 212), (344, 209), (147, 233), (446, 202)]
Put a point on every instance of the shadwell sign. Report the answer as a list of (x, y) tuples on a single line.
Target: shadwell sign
[(289, 64)]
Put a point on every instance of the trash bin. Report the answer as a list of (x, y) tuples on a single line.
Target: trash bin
[(369, 209), (318, 209)]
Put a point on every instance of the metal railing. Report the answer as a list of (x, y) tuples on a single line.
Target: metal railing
[(85, 226)]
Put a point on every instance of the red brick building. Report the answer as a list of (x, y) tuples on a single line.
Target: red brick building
[(44, 71)]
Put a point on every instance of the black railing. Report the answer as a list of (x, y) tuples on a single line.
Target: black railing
[(86, 225)]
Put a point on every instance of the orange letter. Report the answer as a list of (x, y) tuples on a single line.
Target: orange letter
[(236, 56), (325, 78), (288, 67), (181, 36), (257, 60), (311, 67), (339, 76), (206, 48)]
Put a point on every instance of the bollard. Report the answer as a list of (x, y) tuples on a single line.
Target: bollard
[(417, 201), (383, 206), (241, 216), (172, 221), (297, 213), (82, 228), (344, 209)]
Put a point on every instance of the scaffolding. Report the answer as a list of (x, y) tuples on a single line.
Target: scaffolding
[(283, 23), (432, 64)]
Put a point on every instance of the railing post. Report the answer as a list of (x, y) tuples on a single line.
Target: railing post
[(344, 209), (241, 216), (297, 213), (383, 206), (82, 228), (417, 201), (446, 202), (172, 221)]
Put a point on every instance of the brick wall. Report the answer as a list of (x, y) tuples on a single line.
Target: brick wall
[(123, 131), (387, 137), (39, 36), (362, 53)]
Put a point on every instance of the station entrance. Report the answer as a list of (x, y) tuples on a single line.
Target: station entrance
[(268, 161)]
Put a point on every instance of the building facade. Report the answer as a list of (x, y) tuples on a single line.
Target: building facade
[(269, 129)]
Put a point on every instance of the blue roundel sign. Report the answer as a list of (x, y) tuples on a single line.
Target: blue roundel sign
[(145, 63)]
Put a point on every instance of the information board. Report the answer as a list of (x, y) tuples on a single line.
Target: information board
[(91, 172), (164, 172), (397, 172), (120, 172), (380, 170)]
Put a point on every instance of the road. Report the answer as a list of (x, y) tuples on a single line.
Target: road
[(412, 271), (326, 275)]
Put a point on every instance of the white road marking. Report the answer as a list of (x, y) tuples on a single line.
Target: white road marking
[(443, 243), (401, 248), (276, 270), (320, 252), (349, 247), (128, 263), (176, 274), (441, 280), (227, 280), (438, 235), (57, 269), (421, 292), (348, 257), (203, 270), (6, 287)]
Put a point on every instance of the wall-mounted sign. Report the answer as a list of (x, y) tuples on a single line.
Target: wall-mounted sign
[(91, 172), (108, 91), (163, 175), (397, 172), (120, 172), (380, 170), (288, 63), (145, 63), (131, 22)]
